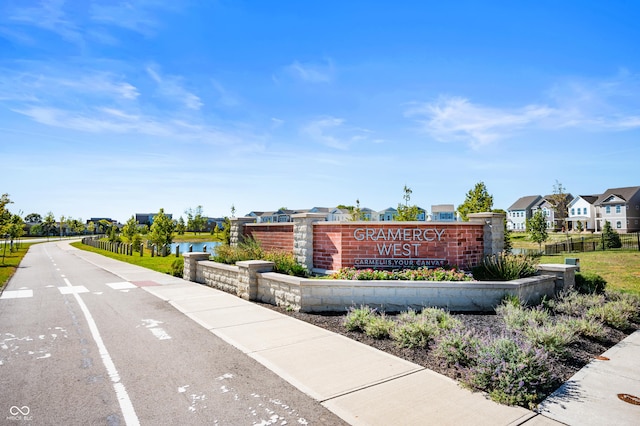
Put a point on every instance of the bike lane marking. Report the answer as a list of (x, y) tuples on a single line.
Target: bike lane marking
[(128, 412)]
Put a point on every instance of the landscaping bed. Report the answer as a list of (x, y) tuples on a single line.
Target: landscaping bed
[(491, 326)]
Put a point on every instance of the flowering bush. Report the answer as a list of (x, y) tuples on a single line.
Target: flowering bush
[(420, 274)]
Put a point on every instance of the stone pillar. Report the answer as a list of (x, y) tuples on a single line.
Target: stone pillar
[(565, 275), (191, 264), (237, 229), (493, 231), (248, 277), (303, 237)]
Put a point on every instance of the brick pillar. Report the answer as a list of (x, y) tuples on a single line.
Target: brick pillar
[(303, 237), (237, 229), (248, 277), (191, 264), (493, 231)]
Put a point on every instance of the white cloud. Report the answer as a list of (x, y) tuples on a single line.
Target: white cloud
[(596, 106), (332, 132), (455, 118), (312, 73), (171, 88), (49, 15)]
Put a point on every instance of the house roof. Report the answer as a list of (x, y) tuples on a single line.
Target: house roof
[(525, 203), (439, 208), (624, 193), (588, 198)]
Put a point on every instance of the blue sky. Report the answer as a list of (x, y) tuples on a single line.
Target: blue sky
[(111, 108)]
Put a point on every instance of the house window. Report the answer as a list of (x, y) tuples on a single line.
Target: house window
[(573, 212), (584, 210), (618, 224), (607, 209), (617, 209)]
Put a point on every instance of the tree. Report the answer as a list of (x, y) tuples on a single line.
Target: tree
[(477, 200), (33, 218), (407, 213), (130, 229), (5, 215), (63, 220), (579, 226), (560, 202), (91, 227), (195, 220), (48, 224), (610, 238), (356, 212), (15, 229), (537, 228), (104, 226), (162, 230), (180, 226)]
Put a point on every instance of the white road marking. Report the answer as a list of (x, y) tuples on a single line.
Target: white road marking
[(160, 333), (183, 389), (73, 289), (121, 286), (128, 412), (97, 292), (16, 294)]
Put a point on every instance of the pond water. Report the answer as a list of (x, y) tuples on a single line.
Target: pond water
[(184, 246)]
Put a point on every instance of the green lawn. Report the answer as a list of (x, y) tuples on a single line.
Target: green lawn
[(192, 237), (159, 264), (621, 269), (11, 262)]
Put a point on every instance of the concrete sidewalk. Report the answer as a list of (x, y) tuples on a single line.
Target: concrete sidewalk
[(365, 386)]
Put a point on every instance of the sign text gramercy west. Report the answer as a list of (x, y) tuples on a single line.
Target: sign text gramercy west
[(411, 236)]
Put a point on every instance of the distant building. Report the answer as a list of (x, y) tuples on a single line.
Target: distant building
[(620, 207), (520, 212), (147, 218), (443, 213)]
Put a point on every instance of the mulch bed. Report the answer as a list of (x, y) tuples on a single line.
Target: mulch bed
[(580, 353)]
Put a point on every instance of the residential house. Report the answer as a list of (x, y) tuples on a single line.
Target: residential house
[(620, 207), (387, 214), (555, 220), (582, 209), (521, 211), (443, 213)]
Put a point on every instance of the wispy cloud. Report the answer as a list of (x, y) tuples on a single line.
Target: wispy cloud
[(49, 15), (603, 105), (171, 87), (457, 119), (333, 132), (137, 15), (312, 72)]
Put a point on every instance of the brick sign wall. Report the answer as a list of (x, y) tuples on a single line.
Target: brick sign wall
[(318, 244), (272, 236), (396, 245)]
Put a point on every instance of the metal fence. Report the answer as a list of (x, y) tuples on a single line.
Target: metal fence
[(592, 243)]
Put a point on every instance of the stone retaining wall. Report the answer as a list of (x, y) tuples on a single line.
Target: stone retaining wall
[(252, 280)]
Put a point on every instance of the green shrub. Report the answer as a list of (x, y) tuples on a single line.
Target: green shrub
[(379, 326), (177, 267), (458, 347), (553, 337), (617, 314), (505, 267), (512, 372), (610, 237), (589, 282), (358, 318), (285, 263), (442, 319), (519, 318), (574, 303), (587, 327), (415, 334), (633, 300)]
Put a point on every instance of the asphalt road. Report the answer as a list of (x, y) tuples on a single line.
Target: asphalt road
[(79, 346)]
